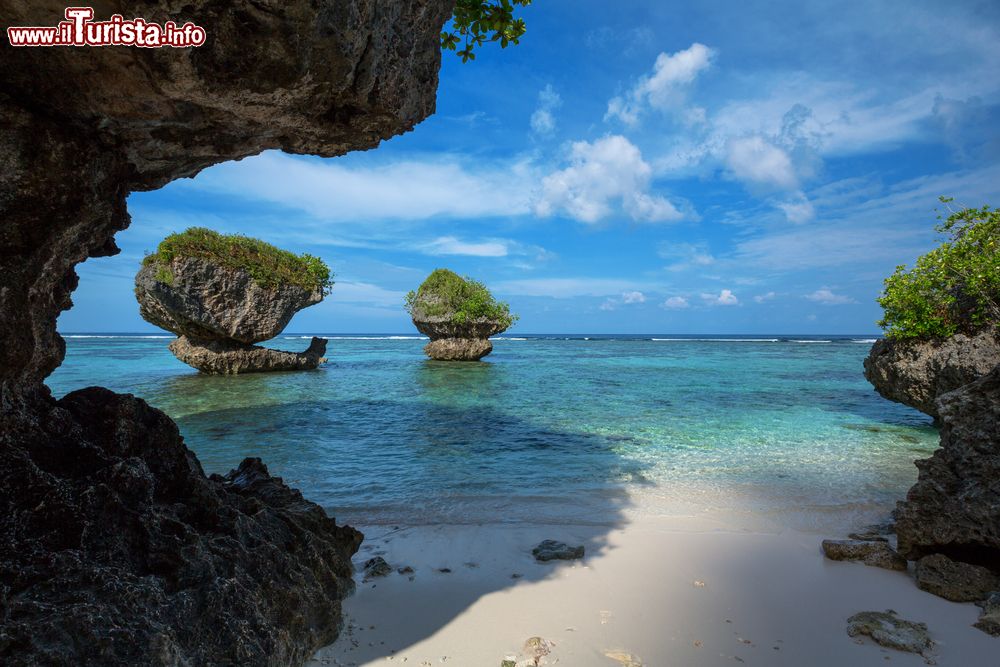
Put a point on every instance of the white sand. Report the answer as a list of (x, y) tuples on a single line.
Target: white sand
[(768, 598)]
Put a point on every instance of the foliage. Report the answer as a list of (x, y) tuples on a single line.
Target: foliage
[(267, 265), (953, 288), (445, 292), (477, 21)]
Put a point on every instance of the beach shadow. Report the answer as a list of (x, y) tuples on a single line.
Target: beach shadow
[(456, 471)]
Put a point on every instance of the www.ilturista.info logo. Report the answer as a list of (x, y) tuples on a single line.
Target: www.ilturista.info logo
[(79, 29)]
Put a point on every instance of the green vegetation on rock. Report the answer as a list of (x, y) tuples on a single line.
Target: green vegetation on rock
[(463, 299), (954, 288), (267, 265), (477, 21)]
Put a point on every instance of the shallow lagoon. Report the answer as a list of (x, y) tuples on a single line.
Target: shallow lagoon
[(547, 429)]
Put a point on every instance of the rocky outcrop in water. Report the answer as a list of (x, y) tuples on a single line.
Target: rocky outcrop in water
[(116, 549), (954, 508), (459, 315), (916, 372), (218, 313), (220, 357)]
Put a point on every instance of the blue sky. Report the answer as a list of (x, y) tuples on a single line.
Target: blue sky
[(637, 167)]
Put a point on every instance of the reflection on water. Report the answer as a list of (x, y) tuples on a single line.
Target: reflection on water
[(544, 429)]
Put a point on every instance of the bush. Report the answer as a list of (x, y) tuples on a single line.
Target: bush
[(953, 288), (445, 292), (267, 265)]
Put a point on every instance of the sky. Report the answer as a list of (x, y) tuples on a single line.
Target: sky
[(633, 167)]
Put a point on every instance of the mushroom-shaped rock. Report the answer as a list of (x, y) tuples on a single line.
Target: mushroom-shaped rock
[(458, 315), (222, 293)]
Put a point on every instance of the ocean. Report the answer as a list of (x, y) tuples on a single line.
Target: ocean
[(548, 429)]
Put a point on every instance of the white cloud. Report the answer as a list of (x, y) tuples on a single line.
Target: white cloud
[(676, 303), (562, 288), (449, 245), (542, 120), (827, 297), (633, 297), (413, 188), (600, 175), (365, 293), (759, 163), (797, 208), (663, 88), (686, 255), (724, 298), (761, 298)]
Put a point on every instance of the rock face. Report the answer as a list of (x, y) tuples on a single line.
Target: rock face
[(115, 548), (468, 341), (989, 619), (916, 372), (225, 358), (218, 312), (554, 550), (205, 301), (954, 508), (458, 349)]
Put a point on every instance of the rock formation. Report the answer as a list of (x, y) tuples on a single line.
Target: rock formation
[(916, 372), (459, 315), (875, 552), (954, 508), (218, 312), (115, 548)]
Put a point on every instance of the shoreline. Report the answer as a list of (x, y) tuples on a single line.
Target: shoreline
[(676, 589)]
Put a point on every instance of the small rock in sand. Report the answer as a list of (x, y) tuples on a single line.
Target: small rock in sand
[(989, 619), (548, 550), (877, 554), (376, 567), (626, 659), (536, 647), (888, 630), (405, 570)]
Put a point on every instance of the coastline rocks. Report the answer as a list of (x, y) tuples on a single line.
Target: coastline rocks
[(876, 553), (227, 358), (116, 549), (955, 581), (954, 507), (205, 301), (458, 314), (218, 313), (548, 550), (915, 372), (458, 349), (377, 567), (891, 631), (989, 619)]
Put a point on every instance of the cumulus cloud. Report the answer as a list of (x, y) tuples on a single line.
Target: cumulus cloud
[(633, 297), (797, 208), (723, 298), (601, 175), (543, 120), (827, 297), (758, 162), (663, 88), (676, 303)]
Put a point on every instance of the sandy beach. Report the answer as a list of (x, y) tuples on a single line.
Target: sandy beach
[(692, 588)]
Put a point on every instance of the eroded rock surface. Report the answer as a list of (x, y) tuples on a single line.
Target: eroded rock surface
[(116, 549), (458, 349), (220, 357), (205, 301), (954, 507), (989, 618), (554, 550), (954, 580), (916, 373)]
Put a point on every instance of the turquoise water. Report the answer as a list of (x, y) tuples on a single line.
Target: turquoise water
[(547, 429)]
